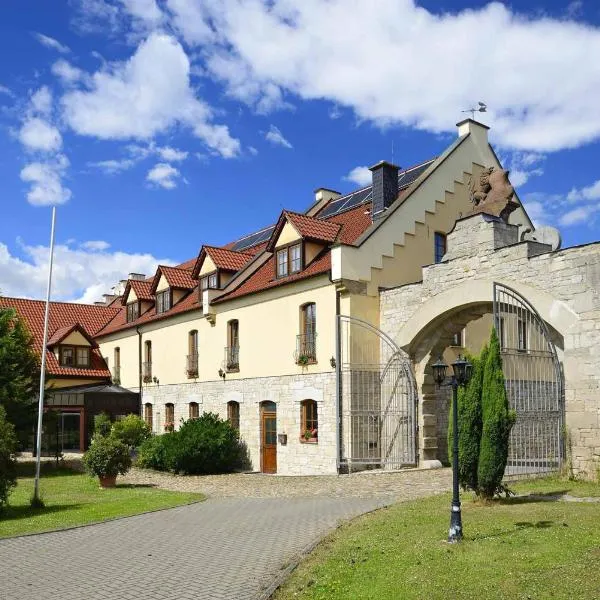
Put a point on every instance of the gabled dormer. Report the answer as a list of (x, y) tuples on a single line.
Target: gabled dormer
[(169, 286), (138, 298), (216, 266), (297, 240), (72, 346)]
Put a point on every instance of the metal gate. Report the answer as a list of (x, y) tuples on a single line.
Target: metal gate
[(377, 399), (534, 385)]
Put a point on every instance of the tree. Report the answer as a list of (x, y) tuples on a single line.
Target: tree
[(497, 420), (19, 373), (8, 464), (470, 424)]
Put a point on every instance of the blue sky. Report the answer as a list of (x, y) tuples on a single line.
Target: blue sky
[(160, 125)]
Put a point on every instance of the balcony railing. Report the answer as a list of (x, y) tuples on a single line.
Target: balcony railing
[(116, 375), (306, 349), (232, 358), (147, 372), (191, 366)]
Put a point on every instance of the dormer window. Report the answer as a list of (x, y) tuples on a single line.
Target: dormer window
[(289, 260), (163, 301), (210, 281), (74, 356), (133, 311)]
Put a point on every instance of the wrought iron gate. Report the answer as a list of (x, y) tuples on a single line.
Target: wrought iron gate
[(534, 384), (377, 399)]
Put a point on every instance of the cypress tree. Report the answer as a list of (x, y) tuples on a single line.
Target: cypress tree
[(498, 420), (469, 423)]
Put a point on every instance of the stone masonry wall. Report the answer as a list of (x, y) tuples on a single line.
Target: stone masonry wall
[(294, 458), (564, 286)]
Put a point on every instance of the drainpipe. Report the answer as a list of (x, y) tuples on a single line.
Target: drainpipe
[(338, 382), (139, 332)]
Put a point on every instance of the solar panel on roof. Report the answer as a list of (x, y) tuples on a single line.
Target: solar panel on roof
[(252, 240)]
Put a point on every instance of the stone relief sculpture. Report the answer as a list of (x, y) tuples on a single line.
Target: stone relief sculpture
[(492, 193)]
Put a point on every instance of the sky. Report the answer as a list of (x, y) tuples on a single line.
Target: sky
[(156, 126)]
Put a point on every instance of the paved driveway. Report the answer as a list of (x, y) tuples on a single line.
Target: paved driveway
[(224, 548)]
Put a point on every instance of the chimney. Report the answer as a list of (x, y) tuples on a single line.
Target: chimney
[(136, 276), (322, 197), (108, 298), (385, 187), (476, 130)]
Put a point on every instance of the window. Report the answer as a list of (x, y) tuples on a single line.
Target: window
[(457, 340), (210, 281), (439, 246), (147, 366), (194, 410), (233, 414), (309, 430), (522, 333), (163, 301), (83, 357), (116, 370), (169, 416), (289, 260), (67, 357), (306, 350), (192, 358), (232, 353), (133, 311), (148, 414)]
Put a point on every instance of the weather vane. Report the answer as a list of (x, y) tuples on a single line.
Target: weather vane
[(482, 107)]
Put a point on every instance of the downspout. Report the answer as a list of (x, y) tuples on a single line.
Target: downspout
[(137, 328), (338, 382)]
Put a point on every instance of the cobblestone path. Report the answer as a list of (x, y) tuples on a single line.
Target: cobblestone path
[(233, 546)]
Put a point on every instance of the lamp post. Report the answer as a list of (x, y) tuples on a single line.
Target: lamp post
[(462, 370)]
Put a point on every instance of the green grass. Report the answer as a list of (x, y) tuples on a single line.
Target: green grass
[(517, 549), (73, 498)]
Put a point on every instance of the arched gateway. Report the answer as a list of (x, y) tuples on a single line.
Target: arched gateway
[(546, 307)]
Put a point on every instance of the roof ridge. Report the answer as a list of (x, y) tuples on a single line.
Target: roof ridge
[(71, 302)]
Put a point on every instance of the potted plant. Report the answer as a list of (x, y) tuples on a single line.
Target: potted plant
[(303, 360), (310, 435), (106, 458)]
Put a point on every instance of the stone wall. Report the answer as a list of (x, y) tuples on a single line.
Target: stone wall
[(294, 458), (563, 286)]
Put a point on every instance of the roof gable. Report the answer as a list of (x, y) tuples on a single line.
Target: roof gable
[(308, 228), (63, 332), (177, 278), (141, 289), (223, 258)]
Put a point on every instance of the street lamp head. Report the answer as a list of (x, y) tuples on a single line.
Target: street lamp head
[(439, 371), (463, 370)]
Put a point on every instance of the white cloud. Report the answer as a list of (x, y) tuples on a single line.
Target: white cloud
[(113, 166), (445, 62), (95, 245), (582, 214), (537, 212), (275, 136), (144, 96), (80, 274), (41, 102), (144, 10), (66, 72), (6, 91), (50, 42), (360, 176), (164, 175), (37, 134), (45, 179), (252, 150), (591, 192), (171, 154)]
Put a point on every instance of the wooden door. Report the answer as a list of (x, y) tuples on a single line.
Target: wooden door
[(268, 449)]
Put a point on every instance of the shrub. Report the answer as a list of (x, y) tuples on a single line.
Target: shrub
[(102, 424), (469, 424), (131, 430), (107, 457), (498, 420), (8, 464), (201, 446)]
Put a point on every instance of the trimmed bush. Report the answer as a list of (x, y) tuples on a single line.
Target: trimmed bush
[(470, 424), (8, 464), (498, 420), (131, 430), (201, 446), (107, 457), (102, 425)]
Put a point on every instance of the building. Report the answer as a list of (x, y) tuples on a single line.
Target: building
[(315, 336)]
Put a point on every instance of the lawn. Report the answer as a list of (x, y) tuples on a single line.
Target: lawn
[(73, 498), (519, 548)]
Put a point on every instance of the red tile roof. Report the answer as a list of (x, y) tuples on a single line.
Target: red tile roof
[(91, 317), (225, 259), (60, 334), (142, 289), (307, 227), (354, 223), (176, 278)]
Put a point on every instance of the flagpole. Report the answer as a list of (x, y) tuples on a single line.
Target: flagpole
[(36, 489)]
